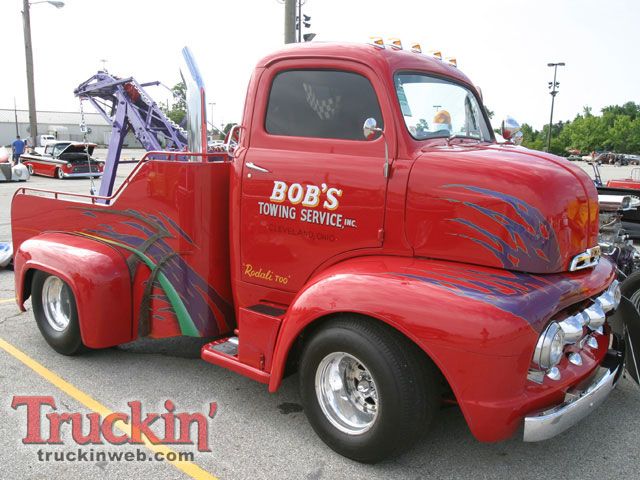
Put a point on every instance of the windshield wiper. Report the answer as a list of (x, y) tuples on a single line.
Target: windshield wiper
[(458, 135)]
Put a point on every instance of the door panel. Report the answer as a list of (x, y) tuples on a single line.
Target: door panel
[(308, 208)]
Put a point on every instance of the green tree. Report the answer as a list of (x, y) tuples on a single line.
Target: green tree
[(178, 109)]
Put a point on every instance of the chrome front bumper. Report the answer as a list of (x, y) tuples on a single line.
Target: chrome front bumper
[(79, 175), (578, 403)]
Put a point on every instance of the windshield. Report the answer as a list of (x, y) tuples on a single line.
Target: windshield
[(436, 108)]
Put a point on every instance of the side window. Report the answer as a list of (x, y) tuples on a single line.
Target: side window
[(322, 104)]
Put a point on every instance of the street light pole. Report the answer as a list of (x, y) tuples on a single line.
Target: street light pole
[(28, 51), (554, 91)]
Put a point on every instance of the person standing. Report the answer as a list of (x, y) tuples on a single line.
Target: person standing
[(18, 149)]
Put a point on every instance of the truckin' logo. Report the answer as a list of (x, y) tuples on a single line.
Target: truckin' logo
[(94, 429), (309, 196)]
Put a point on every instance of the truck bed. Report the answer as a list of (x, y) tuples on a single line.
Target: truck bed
[(170, 220)]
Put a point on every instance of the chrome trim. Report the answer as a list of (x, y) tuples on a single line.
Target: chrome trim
[(606, 302), (589, 258), (575, 359), (554, 373), (594, 315), (87, 174), (258, 168), (572, 328), (577, 405)]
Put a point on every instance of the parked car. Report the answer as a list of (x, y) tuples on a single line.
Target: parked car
[(64, 159)]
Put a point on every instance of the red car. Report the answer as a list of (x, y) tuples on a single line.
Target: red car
[(64, 159)]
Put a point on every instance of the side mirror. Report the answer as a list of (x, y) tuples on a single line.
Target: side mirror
[(370, 128), (511, 131)]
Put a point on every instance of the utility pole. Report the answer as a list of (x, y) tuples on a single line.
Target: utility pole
[(554, 91), (299, 21), (289, 21), (33, 121), (15, 114)]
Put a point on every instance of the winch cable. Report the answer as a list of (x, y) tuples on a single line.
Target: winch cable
[(84, 130)]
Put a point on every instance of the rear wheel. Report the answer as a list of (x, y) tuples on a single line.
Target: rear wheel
[(30, 169), (54, 307), (59, 173), (367, 391)]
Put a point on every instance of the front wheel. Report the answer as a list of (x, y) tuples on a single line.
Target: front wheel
[(631, 289), (59, 173), (30, 169), (367, 392), (54, 307)]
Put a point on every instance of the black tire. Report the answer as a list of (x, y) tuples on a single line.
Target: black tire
[(405, 381), (631, 288), (59, 174), (67, 341), (30, 169)]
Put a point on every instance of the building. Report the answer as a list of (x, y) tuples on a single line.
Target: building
[(62, 125)]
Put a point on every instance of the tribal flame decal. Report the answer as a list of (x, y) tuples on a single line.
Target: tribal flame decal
[(520, 236), (199, 309), (529, 297)]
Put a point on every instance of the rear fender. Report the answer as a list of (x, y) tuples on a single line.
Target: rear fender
[(98, 276)]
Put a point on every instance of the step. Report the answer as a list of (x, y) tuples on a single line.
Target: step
[(224, 353)]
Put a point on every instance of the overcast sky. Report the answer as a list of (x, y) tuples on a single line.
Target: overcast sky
[(503, 46)]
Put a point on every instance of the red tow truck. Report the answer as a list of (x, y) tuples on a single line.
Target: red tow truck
[(367, 232)]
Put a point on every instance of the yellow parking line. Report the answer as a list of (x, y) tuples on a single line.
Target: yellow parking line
[(7, 300), (191, 469)]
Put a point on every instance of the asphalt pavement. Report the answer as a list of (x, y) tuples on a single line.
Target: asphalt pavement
[(255, 434)]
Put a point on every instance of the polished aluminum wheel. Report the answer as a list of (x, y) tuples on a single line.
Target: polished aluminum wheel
[(635, 299), (347, 393), (56, 303)]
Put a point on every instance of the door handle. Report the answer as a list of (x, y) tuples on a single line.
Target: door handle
[(258, 168)]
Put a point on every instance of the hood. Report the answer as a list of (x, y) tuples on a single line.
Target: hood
[(79, 148), (500, 206)]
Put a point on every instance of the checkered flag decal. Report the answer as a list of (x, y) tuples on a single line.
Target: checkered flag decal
[(325, 108)]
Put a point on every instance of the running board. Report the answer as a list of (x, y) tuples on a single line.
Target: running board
[(224, 353)]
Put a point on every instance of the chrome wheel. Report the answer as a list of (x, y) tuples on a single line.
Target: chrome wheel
[(56, 303), (635, 299), (347, 393), (59, 173)]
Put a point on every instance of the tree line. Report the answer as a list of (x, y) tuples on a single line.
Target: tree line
[(617, 129)]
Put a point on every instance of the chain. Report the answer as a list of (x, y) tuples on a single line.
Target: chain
[(84, 130)]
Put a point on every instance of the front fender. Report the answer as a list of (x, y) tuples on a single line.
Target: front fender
[(478, 325), (98, 276)]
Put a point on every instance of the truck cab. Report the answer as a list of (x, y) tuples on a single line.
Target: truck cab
[(368, 232)]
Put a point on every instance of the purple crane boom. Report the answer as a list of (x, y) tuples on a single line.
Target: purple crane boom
[(126, 106)]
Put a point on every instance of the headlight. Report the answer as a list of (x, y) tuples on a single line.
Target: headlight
[(69, 165), (550, 346)]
